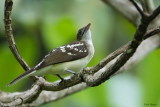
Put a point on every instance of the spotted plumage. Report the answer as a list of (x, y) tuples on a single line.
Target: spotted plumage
[(64, 54)]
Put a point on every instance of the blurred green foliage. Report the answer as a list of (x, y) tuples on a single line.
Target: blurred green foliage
[(41, 25)]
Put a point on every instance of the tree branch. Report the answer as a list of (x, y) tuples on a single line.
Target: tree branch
[(149, 5), (88, 77), (143, 6), (152, 32), (138, 8), (9, 34)]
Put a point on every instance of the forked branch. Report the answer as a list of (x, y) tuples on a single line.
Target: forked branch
[(92, 76), (9, 34)]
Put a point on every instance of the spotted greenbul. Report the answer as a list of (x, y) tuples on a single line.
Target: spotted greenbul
[(69, 58)]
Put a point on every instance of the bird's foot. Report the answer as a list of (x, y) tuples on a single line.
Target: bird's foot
[(62, 79), (70, 71)]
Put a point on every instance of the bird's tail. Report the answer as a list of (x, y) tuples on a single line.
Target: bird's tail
[(22, 76)]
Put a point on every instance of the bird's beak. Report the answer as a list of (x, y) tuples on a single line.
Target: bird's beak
[(87, 27), (82, 31)]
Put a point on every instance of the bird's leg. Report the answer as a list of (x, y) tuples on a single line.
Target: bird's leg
[(70, 71), (62, 79)]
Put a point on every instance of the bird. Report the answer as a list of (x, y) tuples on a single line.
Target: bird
[(67, 59)]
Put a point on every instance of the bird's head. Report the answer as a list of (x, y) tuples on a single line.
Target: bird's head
[(84, 34)]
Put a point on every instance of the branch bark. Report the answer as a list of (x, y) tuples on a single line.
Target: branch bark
[(9, 34), (109, 66), (149, 5)]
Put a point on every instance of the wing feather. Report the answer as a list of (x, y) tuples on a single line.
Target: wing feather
[(72, 51)]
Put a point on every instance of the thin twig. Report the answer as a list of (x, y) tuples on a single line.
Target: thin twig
[(138, 8), (106, 60), (154, 14), (152, 32), (143, 6), (149, 5), (9, 34)]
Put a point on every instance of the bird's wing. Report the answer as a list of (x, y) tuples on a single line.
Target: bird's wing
[(72, 51)]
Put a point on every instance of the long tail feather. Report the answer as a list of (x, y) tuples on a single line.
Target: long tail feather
[(22, 76)]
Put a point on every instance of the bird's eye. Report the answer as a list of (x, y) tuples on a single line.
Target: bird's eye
[(80, 32)]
